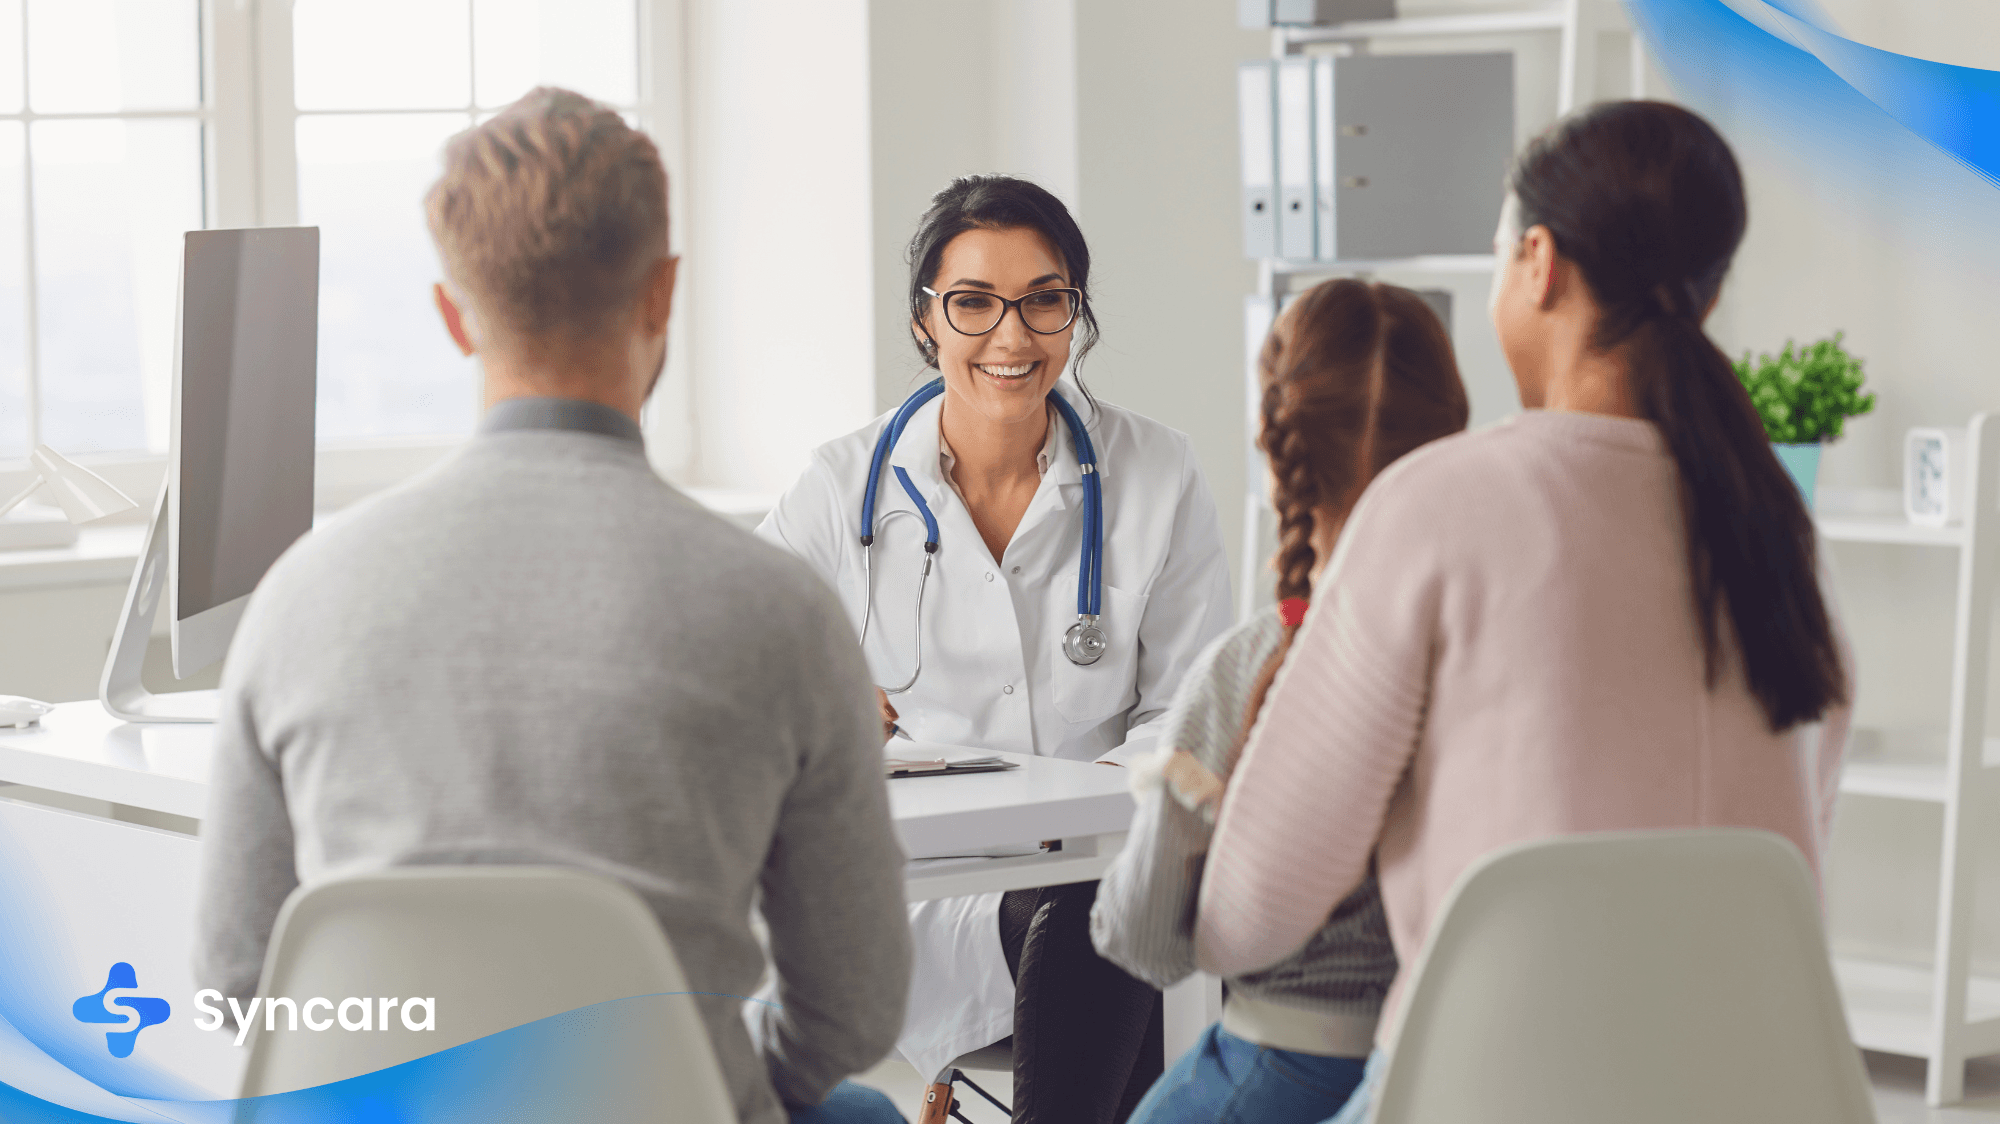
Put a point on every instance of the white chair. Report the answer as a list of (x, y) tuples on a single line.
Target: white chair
[(495, 947), (1641, 977)]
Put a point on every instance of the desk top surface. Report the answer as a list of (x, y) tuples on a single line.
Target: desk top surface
[(82, 751)]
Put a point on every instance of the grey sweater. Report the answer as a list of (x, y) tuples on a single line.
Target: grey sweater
[(540, 652), (1322, 999)]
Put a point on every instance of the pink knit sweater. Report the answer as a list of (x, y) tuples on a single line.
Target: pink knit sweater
[(1505, 650)]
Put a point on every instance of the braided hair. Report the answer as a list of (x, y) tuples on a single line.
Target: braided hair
[(1355, 374)]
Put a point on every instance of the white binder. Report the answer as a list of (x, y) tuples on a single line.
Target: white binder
[(1327, 240), (1329, 11), (1256, 97), (1295, 160)]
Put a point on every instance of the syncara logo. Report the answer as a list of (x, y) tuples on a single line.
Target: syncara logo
[(145, 1010)]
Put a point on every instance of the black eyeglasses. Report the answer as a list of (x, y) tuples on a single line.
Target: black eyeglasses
[(971, 312)]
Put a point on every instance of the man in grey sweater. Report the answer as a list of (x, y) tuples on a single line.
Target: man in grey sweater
[(540, 652)]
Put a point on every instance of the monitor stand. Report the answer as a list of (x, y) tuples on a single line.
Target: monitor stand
[(121, 690)]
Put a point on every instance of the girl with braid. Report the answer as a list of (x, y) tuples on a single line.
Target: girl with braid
[(1355, 375)]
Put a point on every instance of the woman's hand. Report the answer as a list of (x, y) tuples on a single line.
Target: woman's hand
[(888, 714)]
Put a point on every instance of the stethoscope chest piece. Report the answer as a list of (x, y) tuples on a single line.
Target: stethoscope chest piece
[(1084, 644)]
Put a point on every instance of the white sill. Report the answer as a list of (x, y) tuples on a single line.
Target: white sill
[(101, 555), (105, 553)]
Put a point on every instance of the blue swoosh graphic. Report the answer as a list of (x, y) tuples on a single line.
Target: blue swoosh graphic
[(1909, 149), (1956, 108), (564, 1067), (1795, 65)]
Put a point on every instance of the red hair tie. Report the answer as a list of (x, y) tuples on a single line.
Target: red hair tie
[(1292, 610)]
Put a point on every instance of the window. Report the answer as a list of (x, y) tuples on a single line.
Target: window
[(372, 111), (124, 123), (101, 152)]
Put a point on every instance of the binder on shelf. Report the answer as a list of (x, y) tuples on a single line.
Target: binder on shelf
[(1256, 96), (1280, 13), (1326, 242), (1418, 147), (1296, 206)]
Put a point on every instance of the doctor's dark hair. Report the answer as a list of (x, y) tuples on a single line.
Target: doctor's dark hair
[(1355, 374), (1646, 200), (999, 203)]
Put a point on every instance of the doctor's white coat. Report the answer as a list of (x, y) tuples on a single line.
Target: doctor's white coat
[(994, 675)]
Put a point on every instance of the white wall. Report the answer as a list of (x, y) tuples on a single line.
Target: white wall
[(777, 257), (1159, 190), (959, 87)]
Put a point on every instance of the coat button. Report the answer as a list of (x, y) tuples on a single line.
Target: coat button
[(989, 575), (1007, 690), (1016, 570)]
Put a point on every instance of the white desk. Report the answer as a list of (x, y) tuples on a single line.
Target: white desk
[(81, 752)]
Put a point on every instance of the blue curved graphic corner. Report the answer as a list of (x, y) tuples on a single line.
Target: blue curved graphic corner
[(1905, 130), (567, 1066)]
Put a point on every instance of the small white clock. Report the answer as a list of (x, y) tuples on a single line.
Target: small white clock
[(1935, 481)]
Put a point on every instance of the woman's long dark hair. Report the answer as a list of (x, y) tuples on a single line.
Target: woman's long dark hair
[(1000, 203), (1645, 198)]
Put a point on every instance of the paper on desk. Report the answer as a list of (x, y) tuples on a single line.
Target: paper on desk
[(913, 754), (970, 855)]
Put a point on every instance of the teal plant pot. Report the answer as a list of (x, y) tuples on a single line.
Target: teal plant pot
[(1802, 461)]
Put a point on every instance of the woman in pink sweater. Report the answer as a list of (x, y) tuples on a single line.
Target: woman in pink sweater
[(1601, 614)]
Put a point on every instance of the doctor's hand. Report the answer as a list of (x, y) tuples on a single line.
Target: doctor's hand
[(888, 714)]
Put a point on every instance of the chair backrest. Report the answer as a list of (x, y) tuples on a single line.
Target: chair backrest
[(1640, 977), (493, 948)]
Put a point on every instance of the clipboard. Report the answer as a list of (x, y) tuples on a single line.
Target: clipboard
[(905, 768), (906, 757)]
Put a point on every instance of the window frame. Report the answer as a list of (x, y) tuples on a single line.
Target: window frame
[(250, 178)]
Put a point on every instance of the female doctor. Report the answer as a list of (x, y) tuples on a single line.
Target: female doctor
[(1031, 571)]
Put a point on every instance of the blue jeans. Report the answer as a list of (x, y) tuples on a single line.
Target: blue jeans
[(1229, 1080), (1356, 1110), (850, 1104)]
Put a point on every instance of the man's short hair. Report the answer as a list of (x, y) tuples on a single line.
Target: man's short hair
[(549, 216)]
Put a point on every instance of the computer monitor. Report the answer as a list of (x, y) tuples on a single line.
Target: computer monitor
[(239, 484)]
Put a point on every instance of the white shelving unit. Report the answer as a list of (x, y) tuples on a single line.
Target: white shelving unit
[(1942, 1014), (1578, 23)]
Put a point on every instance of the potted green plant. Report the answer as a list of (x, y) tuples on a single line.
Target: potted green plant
[(1805, 396)]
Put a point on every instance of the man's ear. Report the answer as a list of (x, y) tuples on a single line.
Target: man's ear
[(658, 298), (454, 320)]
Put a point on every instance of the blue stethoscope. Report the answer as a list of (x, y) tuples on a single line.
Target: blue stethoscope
[(1084, 643)]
